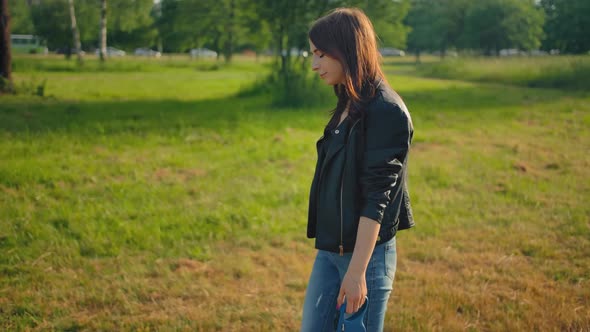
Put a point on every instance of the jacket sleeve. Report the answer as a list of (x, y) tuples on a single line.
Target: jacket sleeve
[(388, 136)]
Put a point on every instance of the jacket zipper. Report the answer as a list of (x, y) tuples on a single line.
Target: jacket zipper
[(341, 191)]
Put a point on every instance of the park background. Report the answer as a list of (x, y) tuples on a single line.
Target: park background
[(168, 190)]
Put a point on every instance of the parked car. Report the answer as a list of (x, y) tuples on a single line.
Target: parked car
[(293, 52), (68, 50), (388, 51), (448, 53), (202, 53), (538, 53), (147, 52), (112, 52), (509, 52)]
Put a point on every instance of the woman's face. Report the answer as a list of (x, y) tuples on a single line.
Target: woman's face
[(329, 69)]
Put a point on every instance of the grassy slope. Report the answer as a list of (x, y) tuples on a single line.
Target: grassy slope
[(562, 72), (125, 205)]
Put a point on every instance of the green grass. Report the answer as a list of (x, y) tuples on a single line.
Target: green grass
[(159, 200), (561, 72), (57, 63)]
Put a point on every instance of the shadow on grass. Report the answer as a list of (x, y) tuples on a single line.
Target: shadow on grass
[(37, 115), (40, 115)]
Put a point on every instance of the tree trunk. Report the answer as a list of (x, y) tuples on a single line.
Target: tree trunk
[(228, 49), (216, 45), (103, 31), (280, 37), (75, 32), (5, 58)]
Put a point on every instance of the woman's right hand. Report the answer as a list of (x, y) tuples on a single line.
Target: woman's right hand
[(354, 288)]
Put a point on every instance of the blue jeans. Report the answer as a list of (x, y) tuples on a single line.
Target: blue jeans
[(319, 308)]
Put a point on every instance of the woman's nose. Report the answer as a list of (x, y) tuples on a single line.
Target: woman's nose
[(314, 65)]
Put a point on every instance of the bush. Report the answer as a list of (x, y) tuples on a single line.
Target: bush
[(31, 87), (296, 87), (6, 86)]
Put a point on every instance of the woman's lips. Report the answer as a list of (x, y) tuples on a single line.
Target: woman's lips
[(322, 75)]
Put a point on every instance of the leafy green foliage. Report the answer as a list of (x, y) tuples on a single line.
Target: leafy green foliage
[(387, 18), (487, 25), (492, 25), (227, 26), (128, 23), (20, 17), (423, 20), (568, 25), (51, 19), (222, 26), (298, 87)]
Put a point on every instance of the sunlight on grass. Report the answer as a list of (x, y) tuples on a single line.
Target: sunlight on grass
[(158, 200)]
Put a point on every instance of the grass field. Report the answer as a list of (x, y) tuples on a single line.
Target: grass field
[(146, 196), (563, 72)]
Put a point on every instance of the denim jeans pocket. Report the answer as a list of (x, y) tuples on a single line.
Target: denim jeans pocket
[(390, 260)]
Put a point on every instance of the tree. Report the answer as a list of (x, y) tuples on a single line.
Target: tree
[(221, 25), (5, 58), (289, 20), (229, 29), (52, 22), (75, 32), (388, 20), (422, 36), (450, 24), (492, 25), (50, 19), (256, 34), (524, 25), (103, 31), (217, 25), (180, 23), (567, 26), (130, 23), (20, 17), (241, 27), (437, 25)]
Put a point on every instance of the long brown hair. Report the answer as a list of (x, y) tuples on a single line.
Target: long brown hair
[(347, 35)]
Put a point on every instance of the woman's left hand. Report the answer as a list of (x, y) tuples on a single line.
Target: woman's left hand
[(354, 287)]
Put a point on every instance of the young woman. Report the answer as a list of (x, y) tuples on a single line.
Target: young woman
[(359, 197)]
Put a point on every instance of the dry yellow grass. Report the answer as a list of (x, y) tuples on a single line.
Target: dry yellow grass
[(116, 217), (448, 283)]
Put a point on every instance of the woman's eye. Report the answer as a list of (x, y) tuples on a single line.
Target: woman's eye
[(322, 55)]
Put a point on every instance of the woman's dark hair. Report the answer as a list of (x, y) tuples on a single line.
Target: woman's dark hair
[(347, 35)]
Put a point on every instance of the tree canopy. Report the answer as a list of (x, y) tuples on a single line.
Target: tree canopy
[(227, 26), (485, 25), (567, 26)]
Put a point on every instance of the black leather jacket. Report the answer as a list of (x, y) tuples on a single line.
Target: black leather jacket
[(367, 177)]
